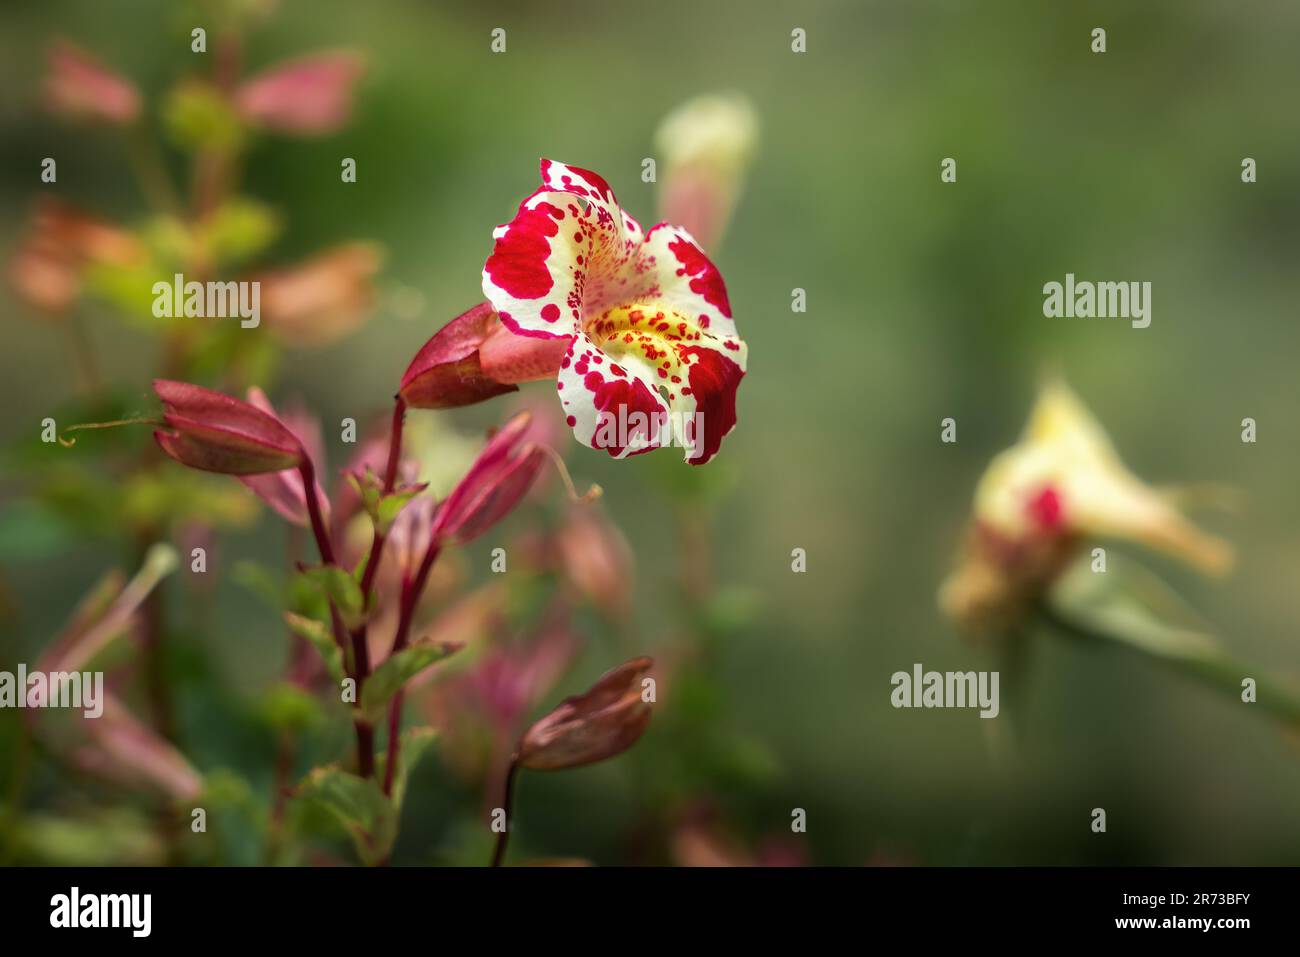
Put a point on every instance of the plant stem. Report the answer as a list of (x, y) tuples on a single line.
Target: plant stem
[(360, 637), (394, 443), (308, 473), (390, 480), (499, 855), (365, 733), (1201, 660), (394, 740), (412, 589)]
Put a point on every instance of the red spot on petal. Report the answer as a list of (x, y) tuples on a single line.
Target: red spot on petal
[(714, 379), (707, 281), (1046, 509), (518, 261)]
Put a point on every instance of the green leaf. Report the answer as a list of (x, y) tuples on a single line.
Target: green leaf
[(382, 509), (341, 588), (239, 230), (357, 803), (322, 639), (197, 116), (401, 667), (108, 837), (390, 506), (290, 707), (128, 287)]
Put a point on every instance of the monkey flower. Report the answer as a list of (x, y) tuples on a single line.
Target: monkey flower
[(653, 356), (1062, 484)]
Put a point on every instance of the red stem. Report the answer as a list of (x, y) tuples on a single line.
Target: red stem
[(411, 591), (394, 737), (360, 637), (394, 443), (365, 733), (308, 473), (390, 480), (499, 855)]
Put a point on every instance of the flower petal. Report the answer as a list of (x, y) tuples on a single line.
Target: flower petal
[(686, 279), (686, 374), (566, 254), (613, 405), (535, 275), (706, 406), (509, 358)]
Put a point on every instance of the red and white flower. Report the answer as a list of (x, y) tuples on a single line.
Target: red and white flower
[(653, 357)]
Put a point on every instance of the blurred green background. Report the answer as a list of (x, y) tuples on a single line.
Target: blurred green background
[(924, 301)]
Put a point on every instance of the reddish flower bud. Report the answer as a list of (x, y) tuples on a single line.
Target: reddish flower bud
[(81, 87), (123, 749), (216, 433), (584, 729), (446, 372), (494, 484), (284, 490), (322, 299), (60, 243), (597, 559), (311, 95)]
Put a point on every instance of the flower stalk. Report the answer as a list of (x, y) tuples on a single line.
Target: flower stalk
[(1190, 653), (499, 853)]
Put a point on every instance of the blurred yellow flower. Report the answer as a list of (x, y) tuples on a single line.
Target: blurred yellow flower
[(1038, 501)]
